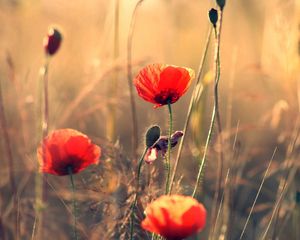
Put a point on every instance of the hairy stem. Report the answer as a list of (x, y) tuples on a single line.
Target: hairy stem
[(219, 125), (214, 112), (168, 156)]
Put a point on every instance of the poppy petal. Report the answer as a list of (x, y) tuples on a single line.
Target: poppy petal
[(174, 217), (67, 150), (162, 84)]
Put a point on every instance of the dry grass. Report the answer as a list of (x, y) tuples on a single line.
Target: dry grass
[(258, 107)]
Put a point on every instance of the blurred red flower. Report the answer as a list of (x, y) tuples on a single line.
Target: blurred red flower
[(174, 217), (52, 41), (66, 150), (162, 84)]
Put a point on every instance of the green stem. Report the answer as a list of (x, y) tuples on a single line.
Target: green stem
[(215, 109), (74, 204), (133, 205), (168, 156), (201, 166), (219, 125), (187, 120)]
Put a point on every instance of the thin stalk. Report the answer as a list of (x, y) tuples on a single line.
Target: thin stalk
[(218, 120), (45, 121), (191, 104), (133, 206), (214, 112), (222, 203), (288, 180), (75, 236), (130, 85), (288, 162), (113, 85), (201, 166), (168, 156), (10, 160), (257, 194), (33, 228), (41, 178)]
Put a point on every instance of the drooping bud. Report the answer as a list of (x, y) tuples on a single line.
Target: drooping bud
[(213, 16), (152, 135), (52, 41), (161, 145), (221, 4)]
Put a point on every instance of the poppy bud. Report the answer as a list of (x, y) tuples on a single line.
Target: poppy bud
[(52, 41), (213, 16), (152, 135), (221, 4)]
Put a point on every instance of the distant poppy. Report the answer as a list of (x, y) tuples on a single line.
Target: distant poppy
[(162, 145), (175, 217), (52, 41), (66, 150), (162, 84)]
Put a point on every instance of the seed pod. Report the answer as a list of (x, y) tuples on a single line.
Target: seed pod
[(152, 135), (221, 4), (52, 41), (213, 16)]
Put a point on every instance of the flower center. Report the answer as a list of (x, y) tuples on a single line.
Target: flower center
[(166, 96)]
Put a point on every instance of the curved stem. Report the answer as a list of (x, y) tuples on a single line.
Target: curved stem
[(215, 111), (133, 206), (74, 204), (188, 116), (168, 156), (219, 125), (130, 86)]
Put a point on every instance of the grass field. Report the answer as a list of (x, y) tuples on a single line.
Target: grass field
[(232, 89)]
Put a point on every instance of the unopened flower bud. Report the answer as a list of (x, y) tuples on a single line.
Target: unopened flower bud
[(221, 4), (213, 16), (52, 41), (152, 135)]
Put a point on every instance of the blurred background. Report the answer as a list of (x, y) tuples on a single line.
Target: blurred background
[(88, 91)]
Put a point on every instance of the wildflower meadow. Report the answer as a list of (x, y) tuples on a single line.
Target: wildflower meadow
[(149, 119)]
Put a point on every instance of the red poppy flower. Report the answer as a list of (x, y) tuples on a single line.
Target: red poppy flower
[(52, 41), (67, 150), (162, 84), (175, 217)]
